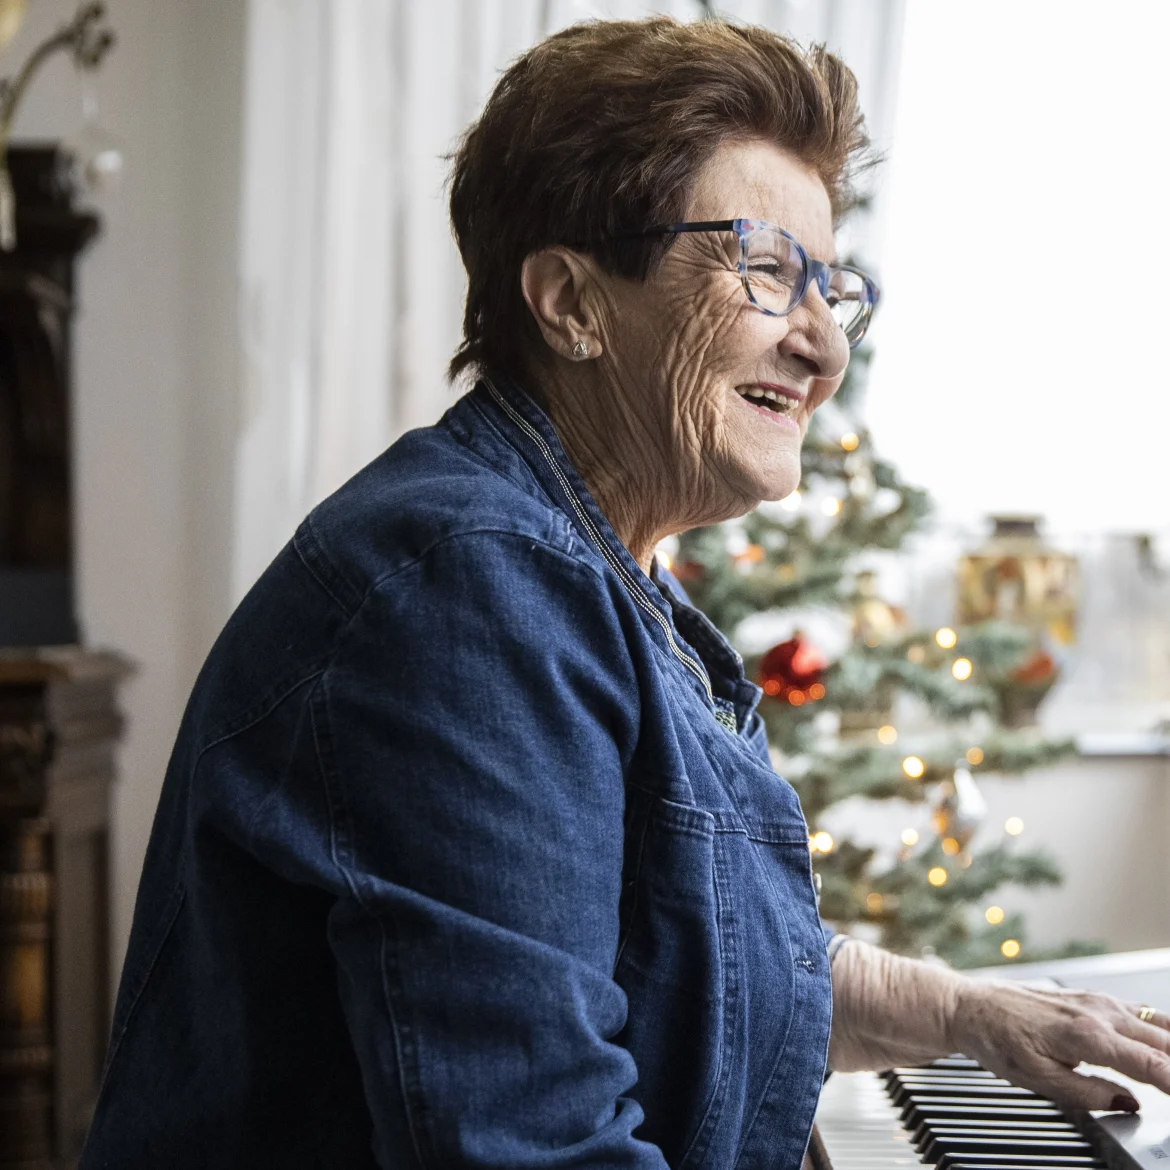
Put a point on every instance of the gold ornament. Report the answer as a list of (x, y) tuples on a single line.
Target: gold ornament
[(1016, 578)]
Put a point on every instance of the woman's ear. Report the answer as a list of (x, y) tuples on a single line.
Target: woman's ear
[(555, 283)]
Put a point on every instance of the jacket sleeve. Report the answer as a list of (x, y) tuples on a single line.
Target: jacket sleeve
[(472, 734)]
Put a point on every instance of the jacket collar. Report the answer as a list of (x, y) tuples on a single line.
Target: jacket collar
[(703, 651)]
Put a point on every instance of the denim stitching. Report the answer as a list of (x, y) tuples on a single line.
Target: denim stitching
[(340, 851), (696, 668)]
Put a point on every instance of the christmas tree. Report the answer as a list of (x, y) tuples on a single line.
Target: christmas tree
[(832, 724)]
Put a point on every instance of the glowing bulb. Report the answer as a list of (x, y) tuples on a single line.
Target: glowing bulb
[(831, 506), (1010, 948), (974, 756), (1013, 826), (791, 503), (909, 837), (796, 698), (913, 767), (946, 637), (961, 669), (873, 903), (950, 846), (916, 654), (887, 734), (823, 842), (994, 915), (816, 691), (937, 876), (850, 441)]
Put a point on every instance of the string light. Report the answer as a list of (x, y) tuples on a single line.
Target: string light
[(822, 842), (831, 506), (791, 503), (887, 734), (937, 876), (771, 686), (961, 669), (816, 691), (909, 837), (796, 698), (1010, 948), (964, 860), (850, 441), (994, 915), (946, 637), (913, 767), (974, 756), (752, 555), (916, 654), (873, 903), (950, 846), (1013, 826)]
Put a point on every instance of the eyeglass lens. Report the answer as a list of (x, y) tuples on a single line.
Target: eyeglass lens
[(775, 274)]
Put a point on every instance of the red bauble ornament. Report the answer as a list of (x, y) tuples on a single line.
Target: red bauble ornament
[(791, 671), (1036, 670)]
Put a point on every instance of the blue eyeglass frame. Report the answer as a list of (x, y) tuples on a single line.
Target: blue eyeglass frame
[(814, 271)]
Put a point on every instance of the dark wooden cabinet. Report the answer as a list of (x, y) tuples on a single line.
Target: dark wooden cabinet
[(36, 308), (59, 725), (59, 721)]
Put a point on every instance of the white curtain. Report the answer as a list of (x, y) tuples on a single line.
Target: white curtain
[(351, 287)]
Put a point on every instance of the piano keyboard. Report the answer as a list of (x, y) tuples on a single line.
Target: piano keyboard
[(955, 1115)]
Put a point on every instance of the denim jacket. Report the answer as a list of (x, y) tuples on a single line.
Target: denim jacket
[(469, 854)]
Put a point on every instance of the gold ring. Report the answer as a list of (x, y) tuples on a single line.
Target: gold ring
[(1145, 1012)]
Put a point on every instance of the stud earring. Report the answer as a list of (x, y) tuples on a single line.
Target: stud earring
[(580, 350)]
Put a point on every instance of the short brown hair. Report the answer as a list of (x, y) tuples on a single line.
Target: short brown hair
[(602, 128)]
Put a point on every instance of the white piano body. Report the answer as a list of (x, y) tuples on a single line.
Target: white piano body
[(858, 1128)]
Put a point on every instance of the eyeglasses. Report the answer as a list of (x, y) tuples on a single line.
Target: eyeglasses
[(777, 273)]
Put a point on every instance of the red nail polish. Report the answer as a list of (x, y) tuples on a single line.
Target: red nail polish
[(1124, 1103)]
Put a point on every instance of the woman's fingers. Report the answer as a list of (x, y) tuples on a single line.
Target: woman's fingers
[(1147, 1032), (1074, 1091), (1152, 1019), (1135, 1059)]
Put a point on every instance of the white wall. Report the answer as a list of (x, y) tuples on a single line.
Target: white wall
[(155, 369), (1019, 346)]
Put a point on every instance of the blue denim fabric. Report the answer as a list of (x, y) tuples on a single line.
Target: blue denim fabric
[(469, 854)]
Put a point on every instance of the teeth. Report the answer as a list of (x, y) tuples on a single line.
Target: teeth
[(782, 401)]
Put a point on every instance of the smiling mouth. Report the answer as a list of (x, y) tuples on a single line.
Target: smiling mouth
[(774, 400)]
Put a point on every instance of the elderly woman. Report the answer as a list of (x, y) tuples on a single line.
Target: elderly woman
[(470, 853)]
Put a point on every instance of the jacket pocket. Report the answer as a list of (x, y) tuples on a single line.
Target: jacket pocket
[(670, 965)]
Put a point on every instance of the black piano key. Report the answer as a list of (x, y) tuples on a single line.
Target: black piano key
[(903, 1093), (1013, 1164), (968, 1074), (1048, 1147), (991, 1106), (947, 1083), (923, 1134), (1019, 1162), (919, 1121), (961, 1083)]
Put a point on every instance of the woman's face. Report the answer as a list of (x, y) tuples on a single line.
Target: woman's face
[(685, 348)]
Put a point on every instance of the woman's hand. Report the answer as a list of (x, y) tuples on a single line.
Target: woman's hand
[(1036, 1038)]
